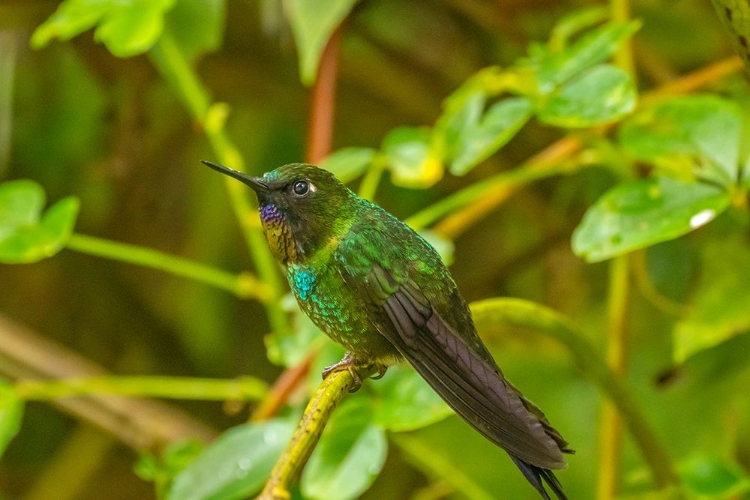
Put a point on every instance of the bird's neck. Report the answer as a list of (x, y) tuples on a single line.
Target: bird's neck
[(311, 245)]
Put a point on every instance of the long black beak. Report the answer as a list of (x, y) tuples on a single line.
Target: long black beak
[(254, 182)]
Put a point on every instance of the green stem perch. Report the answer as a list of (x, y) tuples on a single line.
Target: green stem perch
[(244, 285), (493, 313), (240, 389), (178, 72), (317, 413)]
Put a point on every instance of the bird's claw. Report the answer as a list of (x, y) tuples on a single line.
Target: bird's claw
[(349, 362), (380, 371)]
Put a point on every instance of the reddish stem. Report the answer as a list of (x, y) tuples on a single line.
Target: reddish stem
[(284, 386), (323, 101)]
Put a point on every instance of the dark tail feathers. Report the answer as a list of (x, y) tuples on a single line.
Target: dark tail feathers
[(534, 475)]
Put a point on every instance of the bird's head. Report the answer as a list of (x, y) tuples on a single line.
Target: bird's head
[(303, 208)]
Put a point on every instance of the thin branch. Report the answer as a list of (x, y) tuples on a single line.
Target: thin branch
[(610, 423), (649, 291), (322, 104), (177, 71), (140, 423), (317, 413), (492, 314), (244, 285), (697, 79), (547, 163), (204, 389), (285, 385), (618, 302), (478, 195)]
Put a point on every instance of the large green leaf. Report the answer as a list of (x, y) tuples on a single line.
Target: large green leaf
[(497, 126), (11, 413), (600, 95), (126, 27), (719, 309), (405, 402), (234, 466), (27, 235), (348, 457), (695, 135), (313, 22), (640, 213)]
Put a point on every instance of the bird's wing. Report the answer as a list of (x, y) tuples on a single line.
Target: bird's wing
[(462, 375)]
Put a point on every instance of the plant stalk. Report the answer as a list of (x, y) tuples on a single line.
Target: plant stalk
[(244, 285)]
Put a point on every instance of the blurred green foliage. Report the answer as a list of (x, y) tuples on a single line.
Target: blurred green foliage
[(445, 111)]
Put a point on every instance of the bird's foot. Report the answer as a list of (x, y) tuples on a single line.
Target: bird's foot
[(352, 365), (349, 363)]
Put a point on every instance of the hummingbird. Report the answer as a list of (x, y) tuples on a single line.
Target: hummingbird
[(375, 286)]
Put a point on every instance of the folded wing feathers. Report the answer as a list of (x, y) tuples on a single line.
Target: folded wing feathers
[(468, 383)]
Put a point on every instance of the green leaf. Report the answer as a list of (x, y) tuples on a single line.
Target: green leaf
[(719, 307), (348, 457), (405, 402), (348, 163), (638, 214), (161, 471), (71, 18), (454, 137), (598, 45), (574, 23), (132, 28), (411, 159), (11, 414), (498, 126), (27, 235), (313, 22), (126, 27), (600, 95), (21, 202), (197, 25), (698, 135), (712, 476), (235, 465)]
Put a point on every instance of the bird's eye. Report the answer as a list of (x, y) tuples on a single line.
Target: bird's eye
[(301, 188)]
